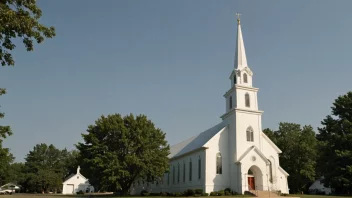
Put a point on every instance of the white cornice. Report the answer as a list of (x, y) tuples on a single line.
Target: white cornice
[(250, 111), (240, 87)]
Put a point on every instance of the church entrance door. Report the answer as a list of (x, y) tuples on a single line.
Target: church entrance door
[(251, 183)]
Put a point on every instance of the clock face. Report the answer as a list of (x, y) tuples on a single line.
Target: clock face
[(253, 158)]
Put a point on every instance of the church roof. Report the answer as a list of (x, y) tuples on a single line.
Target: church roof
[(195, 142)]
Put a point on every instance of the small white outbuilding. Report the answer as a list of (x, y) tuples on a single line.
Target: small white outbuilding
[(75, 183), (318, 187)]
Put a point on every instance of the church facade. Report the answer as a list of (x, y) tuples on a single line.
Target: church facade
[(234, 154)]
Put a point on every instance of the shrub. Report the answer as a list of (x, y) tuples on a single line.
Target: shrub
[(235, 193), (196, 195), (227, 193), (205, 194), (189, 192), (227, 190), (198, 191), (80, 192), (154, 194), (164, 194), (144, 193), (221, 193), (178, 194), (213, 194)]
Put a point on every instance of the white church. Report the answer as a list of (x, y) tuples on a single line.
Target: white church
[(234, 154)]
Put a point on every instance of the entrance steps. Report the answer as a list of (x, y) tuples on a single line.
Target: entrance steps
[(266, 194), (260, 193)]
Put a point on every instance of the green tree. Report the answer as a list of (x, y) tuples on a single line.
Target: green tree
[(298, 155), (5, 156), (20, 19), (335, 136), (118, 150), (15, 173), (45, 167)]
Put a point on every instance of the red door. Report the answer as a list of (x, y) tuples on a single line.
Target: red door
[(251, 183)]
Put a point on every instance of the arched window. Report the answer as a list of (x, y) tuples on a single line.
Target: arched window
[(250, 136), (178, 173), (270, 171), (184, 172), (245, 78), (199, 167), (247, 101), (218, 163), (190, 170), (230, 102)]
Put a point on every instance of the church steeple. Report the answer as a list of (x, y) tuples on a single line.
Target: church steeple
[(242, 94), (240, 55), (242, 74)]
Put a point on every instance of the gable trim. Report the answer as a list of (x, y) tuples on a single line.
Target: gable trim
[(77, 174), (257, 151), (283, 171), (271, 143)]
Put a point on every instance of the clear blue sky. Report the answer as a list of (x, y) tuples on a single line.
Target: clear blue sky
[(171, 61)]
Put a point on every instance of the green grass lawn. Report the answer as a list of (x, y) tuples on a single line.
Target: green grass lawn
[(319, 196), (107, 196)]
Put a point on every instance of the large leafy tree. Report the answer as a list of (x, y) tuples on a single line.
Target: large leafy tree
[(20, 19), (46, 166), (117, 150), (335, 146), (299, 153), (5, 156)]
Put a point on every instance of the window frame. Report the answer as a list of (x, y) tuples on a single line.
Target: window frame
[(218, 163), (247, 100), (250, 134)]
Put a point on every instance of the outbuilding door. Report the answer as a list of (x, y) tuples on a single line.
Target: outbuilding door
[(69, 189)]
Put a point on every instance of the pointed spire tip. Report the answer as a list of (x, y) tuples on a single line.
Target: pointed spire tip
[(238, 18)]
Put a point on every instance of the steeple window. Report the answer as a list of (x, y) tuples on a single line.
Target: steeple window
[(245, 80), (247, 101)]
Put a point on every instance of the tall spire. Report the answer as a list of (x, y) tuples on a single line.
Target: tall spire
[(240, 56)]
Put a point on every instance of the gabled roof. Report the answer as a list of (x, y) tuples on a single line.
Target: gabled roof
[(257, 151), (69, 177), (195, 142), (73, 175)]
